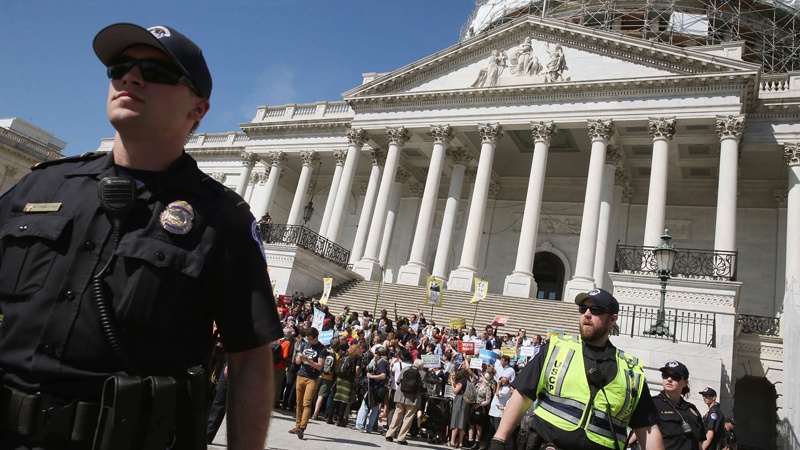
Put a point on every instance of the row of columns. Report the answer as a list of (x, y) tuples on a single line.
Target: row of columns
[(606, 181)]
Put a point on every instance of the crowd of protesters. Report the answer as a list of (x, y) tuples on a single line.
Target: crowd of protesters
[(448, 398)]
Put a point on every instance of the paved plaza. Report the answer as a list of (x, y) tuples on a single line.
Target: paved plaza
[(321, 435)]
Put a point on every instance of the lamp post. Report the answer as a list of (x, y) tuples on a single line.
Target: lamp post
[(665, 258)]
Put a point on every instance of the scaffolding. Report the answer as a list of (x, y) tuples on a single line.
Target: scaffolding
[(770, 31)]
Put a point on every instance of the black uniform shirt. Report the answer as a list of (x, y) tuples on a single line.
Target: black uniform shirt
[(166, 288), (604, 359), (670, 424), (714, 420)]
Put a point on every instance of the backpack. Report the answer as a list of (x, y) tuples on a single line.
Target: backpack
[(330, 362), (346, 367), (470, 394), (409, 380)]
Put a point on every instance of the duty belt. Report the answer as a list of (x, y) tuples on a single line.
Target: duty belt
[(41, 416)]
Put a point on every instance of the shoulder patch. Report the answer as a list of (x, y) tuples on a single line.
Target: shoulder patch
[(88, 156), (713, 416), (227, 192)]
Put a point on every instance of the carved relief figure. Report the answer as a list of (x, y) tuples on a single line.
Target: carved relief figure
[(524, 62), (488, 77), (556, 65)]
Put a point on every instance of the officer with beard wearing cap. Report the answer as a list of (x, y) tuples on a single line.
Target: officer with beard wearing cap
[(115, 267), (589, 392)]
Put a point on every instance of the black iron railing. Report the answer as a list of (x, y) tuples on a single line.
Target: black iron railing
[(689, 263), (685, 326), (769, 326), (304, 238)]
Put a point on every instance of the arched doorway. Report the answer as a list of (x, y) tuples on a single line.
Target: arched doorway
[(548, 271), (755, 412)]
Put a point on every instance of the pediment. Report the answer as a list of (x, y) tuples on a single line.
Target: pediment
[(532, 53)]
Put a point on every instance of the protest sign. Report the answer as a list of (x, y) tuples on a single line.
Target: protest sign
[(433, 294), (481, 289), (476, 363), (500, 321), (554, 332), (327, 284), (467, 348), (325, 337), (527, 351), (488, 356), (458, 324), (510, 352), (319, 318), (431, 361)]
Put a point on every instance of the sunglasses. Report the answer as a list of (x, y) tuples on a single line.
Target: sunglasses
[(596, 310), (153, 71), (674, 376)]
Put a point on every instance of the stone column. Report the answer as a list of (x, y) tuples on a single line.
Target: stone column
[(661, 130), (521, 282), (356, 138), (276, 159), (255, 179), (779, 196), (792, 157), (309, 158), (730, 130), (378, 160), (462, 278), (415, 272), (369, 266), (460, 158), (339, 156), (605, 240), (249, 159), (600, 132), (400, 180)]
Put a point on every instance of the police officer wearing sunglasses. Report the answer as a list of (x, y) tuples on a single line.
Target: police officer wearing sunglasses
[(680, 422), (588, 391), (114, 268)]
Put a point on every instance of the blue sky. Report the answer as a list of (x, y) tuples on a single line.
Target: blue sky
[(260, 52)]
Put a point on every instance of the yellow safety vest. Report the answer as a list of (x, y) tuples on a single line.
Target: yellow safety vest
[(564, 393)]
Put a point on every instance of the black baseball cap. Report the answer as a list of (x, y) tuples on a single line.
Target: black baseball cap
[(730, 420), (187, 56), (676, 366), (601, 297), (708, 392)]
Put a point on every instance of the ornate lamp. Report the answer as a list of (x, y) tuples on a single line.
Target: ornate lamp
[(665, 259)]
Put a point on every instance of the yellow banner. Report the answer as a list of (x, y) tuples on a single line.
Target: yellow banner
[(458, 324), (433, 294), (554, 332), (481, 289), (327, 284), (510, 352)]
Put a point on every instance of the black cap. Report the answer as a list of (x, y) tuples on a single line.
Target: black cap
[(601, 297), (677, 367), (730, 421), (708, 392), (114, 39)]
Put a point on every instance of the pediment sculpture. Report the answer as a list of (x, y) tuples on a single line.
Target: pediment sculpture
[(523, 63)]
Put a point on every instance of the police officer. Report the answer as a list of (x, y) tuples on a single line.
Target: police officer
[(679, 421), (729, 441), (588, 391), (713, 420), (119, 263)]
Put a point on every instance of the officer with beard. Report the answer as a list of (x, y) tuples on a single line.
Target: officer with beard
[(589, 392)]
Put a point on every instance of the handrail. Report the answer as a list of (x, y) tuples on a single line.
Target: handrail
[(303, 237)]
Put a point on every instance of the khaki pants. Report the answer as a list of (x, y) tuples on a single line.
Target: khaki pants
[(305, 389), (405, 414)]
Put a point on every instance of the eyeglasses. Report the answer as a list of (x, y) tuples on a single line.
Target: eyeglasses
[(596, 310), (674, 376), (153, 71)]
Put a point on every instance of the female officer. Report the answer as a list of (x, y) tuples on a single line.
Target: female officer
[(680, 422)]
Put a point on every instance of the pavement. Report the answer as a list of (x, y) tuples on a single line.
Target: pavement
[(319, 434)]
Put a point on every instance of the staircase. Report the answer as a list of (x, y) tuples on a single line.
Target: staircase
[(535, 315)]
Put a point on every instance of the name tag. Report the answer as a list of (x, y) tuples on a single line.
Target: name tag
[(41, 207)]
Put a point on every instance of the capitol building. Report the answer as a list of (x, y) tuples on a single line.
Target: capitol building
[(547, 152)]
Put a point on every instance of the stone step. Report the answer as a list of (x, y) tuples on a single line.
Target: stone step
[(535, 315)]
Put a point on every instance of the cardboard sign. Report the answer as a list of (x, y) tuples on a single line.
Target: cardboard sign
[(448, 391), (319, 318), (325, 337), (467, 348), (458, 324), (554, 332), (510, 352), (527, 351), (433, 294), (500, 321), (431, 361), (476, 363)]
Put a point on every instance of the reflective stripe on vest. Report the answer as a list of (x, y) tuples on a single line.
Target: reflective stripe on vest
[(564, 392)]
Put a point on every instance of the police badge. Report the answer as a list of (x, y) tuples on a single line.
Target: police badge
[(177, 217)]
